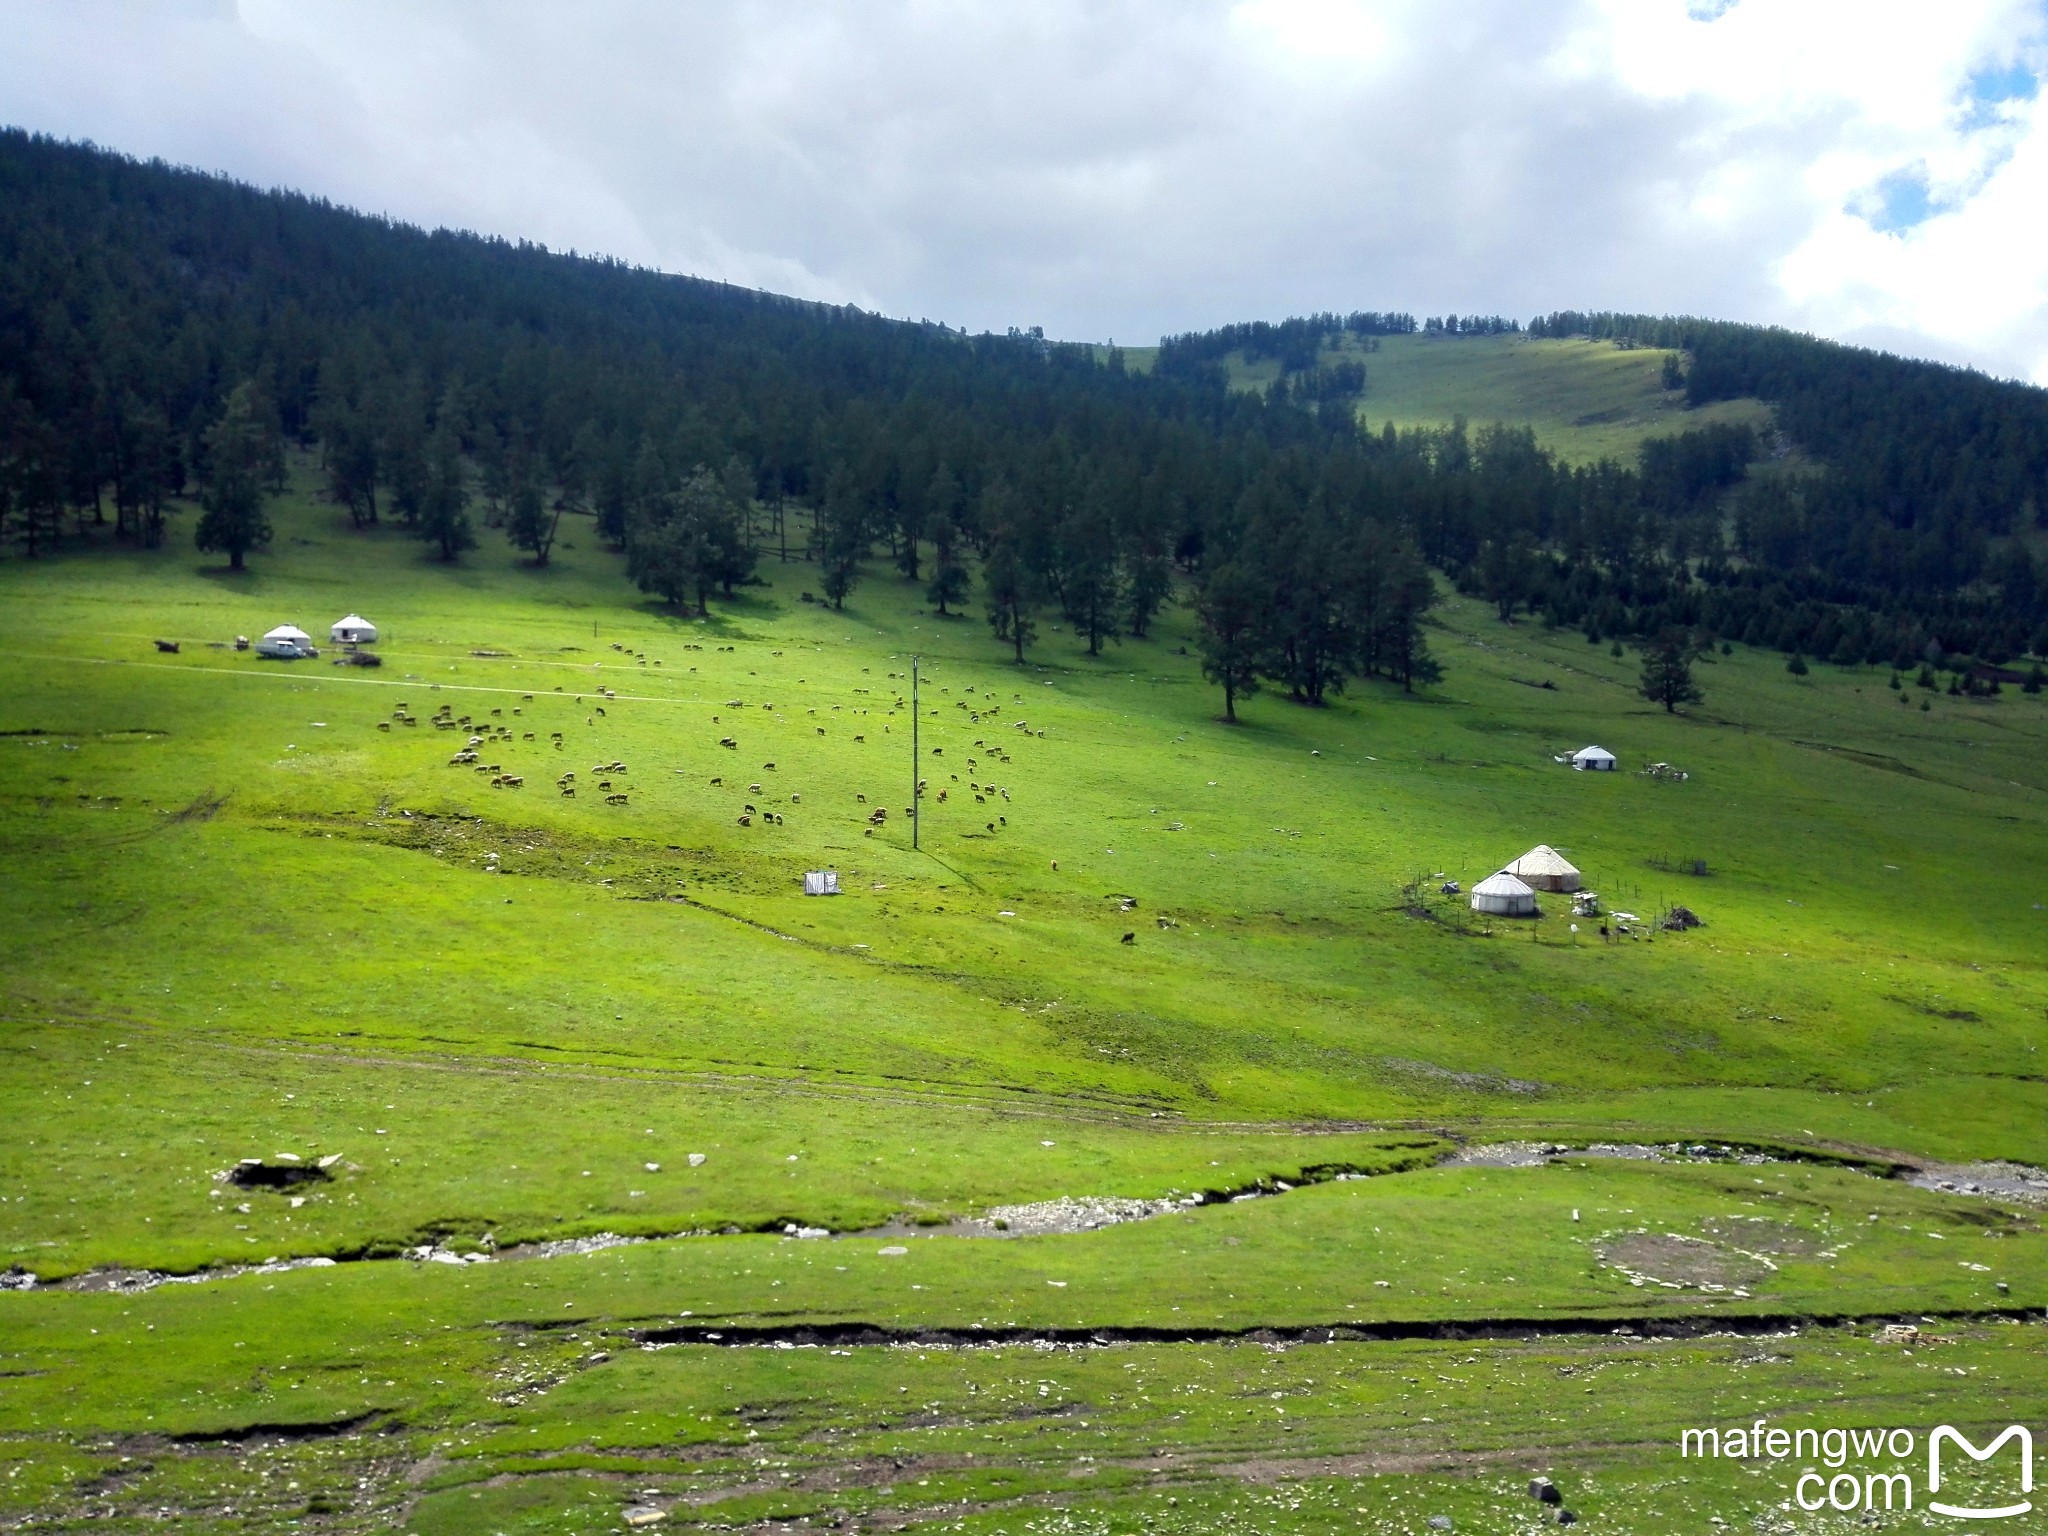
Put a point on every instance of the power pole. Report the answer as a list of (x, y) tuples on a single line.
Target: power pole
[(914, 796)]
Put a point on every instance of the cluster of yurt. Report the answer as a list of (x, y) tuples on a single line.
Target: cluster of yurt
[(1512, 892), (288, 642)]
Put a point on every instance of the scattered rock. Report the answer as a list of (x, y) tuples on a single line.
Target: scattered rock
[(2000, 1180), (1503, 1154), (1071, 1214)]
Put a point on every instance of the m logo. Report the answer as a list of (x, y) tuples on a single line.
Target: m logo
[(2017, 1432)]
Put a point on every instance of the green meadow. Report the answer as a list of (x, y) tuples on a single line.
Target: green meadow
[(256, 910), (1585, 400)]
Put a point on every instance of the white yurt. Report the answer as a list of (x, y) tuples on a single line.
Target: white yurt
[(1503, 896), (287, 642), (353, 630), (1543, 868), (1598, 759)]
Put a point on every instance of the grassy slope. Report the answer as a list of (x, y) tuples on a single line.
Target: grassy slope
[(1586, 400), (230, 931)]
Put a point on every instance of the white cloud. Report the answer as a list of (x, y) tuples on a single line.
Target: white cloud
[(1130, 167)]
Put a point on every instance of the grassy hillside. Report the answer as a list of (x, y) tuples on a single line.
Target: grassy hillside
[(252, 911), (1586, 400)]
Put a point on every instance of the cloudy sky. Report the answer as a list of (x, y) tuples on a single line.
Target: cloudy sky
[(1875, 170)]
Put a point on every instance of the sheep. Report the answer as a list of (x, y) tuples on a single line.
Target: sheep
[(604, 783), (383, 725), (746, 821), (718, 781), (769, 766), (1130, 938), (821, 730), (569, 792), (860, 738), (614, 799), (462, 757), (863, 799), (527, 736), (728, 742)]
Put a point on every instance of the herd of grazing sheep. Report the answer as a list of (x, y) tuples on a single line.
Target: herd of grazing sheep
[(487, 732)]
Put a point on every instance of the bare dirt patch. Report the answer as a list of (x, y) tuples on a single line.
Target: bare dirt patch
[(1665, 1258), (1757, 1234)]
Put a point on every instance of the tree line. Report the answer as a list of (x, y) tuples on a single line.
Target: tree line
[(165, 333)]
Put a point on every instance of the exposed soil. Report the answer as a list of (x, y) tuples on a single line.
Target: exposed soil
[(261, 1175), (1688, 1325), (1758, 1234), (1665, 1258)]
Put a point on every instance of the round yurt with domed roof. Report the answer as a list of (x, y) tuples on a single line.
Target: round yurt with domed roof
[(1503, 895)]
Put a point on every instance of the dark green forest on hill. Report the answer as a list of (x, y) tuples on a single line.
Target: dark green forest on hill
[(163, 335)]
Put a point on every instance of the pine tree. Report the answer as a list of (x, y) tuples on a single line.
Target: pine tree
[(950, 581), (845, 540), (1233, 609), (1010, 608), (232, 494), (444, 502), (1667, 670), (529, 522)]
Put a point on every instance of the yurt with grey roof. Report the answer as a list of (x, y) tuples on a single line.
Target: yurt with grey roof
[(1503, 895)]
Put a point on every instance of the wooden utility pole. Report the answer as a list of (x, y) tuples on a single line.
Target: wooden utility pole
[(916, 800)]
